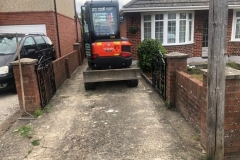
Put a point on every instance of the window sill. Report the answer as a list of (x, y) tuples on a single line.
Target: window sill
[(238, 40), (177, 44)]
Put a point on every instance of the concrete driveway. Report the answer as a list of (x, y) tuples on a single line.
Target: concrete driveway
[(8, 104), (113, 122)]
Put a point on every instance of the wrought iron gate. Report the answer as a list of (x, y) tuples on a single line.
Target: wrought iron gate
[(159, 73), (46, 79)]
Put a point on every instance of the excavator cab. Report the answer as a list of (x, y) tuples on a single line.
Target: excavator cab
[(103, 46)]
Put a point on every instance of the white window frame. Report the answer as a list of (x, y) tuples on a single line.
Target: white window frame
[(234, 21), (165, 28)]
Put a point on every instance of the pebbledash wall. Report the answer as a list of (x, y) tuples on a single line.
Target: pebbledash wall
[(42, 12), (189, 96), (193, 50)]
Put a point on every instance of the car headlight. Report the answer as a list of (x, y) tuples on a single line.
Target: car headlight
[(4, 70)]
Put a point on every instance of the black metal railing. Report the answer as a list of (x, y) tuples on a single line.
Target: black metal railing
[(46, 79), (159, 73)]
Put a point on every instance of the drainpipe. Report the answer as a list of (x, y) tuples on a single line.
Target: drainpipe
[(58, 39), (76, 18)]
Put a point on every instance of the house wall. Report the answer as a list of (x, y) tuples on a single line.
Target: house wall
[(193, 50), (26, 5), (67, 33), (26, 12), (123, 32), (28, 18), (133, 20), (65, 7)]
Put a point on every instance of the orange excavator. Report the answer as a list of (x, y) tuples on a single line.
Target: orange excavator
[(109, 55)]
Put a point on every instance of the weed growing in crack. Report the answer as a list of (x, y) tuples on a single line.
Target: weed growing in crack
[(46, 109), (25, 131), (89, 93), (196, 138), (37, 113), (36, 143), (167, 105)]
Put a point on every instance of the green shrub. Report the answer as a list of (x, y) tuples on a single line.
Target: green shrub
[(145, 51)]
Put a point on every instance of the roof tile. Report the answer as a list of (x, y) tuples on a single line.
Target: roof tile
[(171, 3)]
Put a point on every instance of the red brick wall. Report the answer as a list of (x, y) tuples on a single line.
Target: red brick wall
[(123, 31), (191, 101), (232, 118), (133, 19), (188, 91), (67, 33), (195, 49), (63, 69)]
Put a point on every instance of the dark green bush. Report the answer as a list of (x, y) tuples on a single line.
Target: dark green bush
[(145, 51)]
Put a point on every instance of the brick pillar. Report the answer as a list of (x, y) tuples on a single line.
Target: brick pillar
[(76, 46), (175, 61), (30, 84)]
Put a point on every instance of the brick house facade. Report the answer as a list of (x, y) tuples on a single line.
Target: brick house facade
[(136, 11), (36, 12)]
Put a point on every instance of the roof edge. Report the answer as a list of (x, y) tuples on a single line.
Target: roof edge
[(155, 9)]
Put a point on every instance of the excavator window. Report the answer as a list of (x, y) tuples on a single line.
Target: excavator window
[(104, 20)]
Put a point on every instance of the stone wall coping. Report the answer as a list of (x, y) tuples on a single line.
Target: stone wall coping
[(230, 73), (177, 55), (24, 61), (76, 44)]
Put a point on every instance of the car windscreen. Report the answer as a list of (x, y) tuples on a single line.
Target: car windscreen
[(104, 20), (8, 44)]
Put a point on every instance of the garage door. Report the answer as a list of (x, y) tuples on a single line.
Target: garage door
[(39, 28)]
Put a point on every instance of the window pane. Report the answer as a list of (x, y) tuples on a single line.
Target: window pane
[(190, 16), (237, 35), (159, 17), (147, 30), (147, 17), (159, 31), (190, 31), (182, 31), (40, 42), (238, 14), (171, 31), (172, 16), (183, 15)]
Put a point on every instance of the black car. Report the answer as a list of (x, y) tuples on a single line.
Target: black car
[(30, 45)]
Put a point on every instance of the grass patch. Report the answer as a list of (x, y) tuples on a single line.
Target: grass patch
[(37, 113), (36, 143), (197, 76), (25, 131), (195, 73), (46, 109), (232, 65)]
